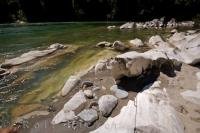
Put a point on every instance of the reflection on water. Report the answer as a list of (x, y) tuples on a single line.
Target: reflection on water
[(31, 86)]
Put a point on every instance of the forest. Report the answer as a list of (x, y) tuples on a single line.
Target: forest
[(96, 10)]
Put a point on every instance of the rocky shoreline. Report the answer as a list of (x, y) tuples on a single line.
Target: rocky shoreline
[(156, 91)]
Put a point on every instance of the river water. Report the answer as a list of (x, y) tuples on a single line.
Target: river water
[(30, 89)]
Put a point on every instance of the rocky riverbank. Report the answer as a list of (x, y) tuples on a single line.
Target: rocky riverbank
[(153, 91)]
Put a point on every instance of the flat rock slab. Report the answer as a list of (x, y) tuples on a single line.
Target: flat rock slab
[(88, 115), (118, 92)]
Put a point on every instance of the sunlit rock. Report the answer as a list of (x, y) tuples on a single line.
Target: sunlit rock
[(71, 83), (151, 112), (106, 104)]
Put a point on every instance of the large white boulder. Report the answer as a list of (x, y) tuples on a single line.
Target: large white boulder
[(151, 112), (67, 113), (56, 46), (71, 83), (106, 104)]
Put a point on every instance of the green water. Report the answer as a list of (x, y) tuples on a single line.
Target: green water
[(40, 83)]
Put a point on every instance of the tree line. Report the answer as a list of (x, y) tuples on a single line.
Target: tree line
[(96, 10)]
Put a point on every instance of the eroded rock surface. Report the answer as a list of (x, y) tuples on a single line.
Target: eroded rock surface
[(151, 112)]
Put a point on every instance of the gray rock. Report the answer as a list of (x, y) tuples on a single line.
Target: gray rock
[(103, 44), (118, 45), (118, 92), (136, 43), (71, 83), (128, 25), (67, 113), (88, 93), (88, 115), (31, 55), (111, 27), (56, 46), (106, 104)]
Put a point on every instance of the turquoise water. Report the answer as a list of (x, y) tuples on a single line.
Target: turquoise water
[(18, 39)]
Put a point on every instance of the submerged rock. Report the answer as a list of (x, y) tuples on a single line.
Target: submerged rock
[(104, 44), (118, 92), (31, 55), (106, 104), (71, 83), (150, 113), (67, 113), (136, 43), (88, 115)]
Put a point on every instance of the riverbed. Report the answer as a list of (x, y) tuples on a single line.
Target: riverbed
[(35, 87)]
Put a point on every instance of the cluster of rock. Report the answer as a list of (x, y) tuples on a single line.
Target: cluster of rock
[(142, 114), (117, 45), (26, 57), (102, 105), (193, 96), (151, 112), (120, 46), (157, 23)]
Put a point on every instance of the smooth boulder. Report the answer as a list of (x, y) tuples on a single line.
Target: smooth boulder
[(71, 83), (119, 92), (136, 43), (106, 104), (67, 113)]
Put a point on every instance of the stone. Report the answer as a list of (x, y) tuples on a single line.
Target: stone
[(67, 113), (128, 25), (136, 43), (26, 57), (56, 46), (88, 115), (103, 44), (87, 84), (63, 116), (111, 27), (31, 55), (119, 92), (151, 112), (88, 93), (174, 31), (118, 45), (71, 83), (106, 104)]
